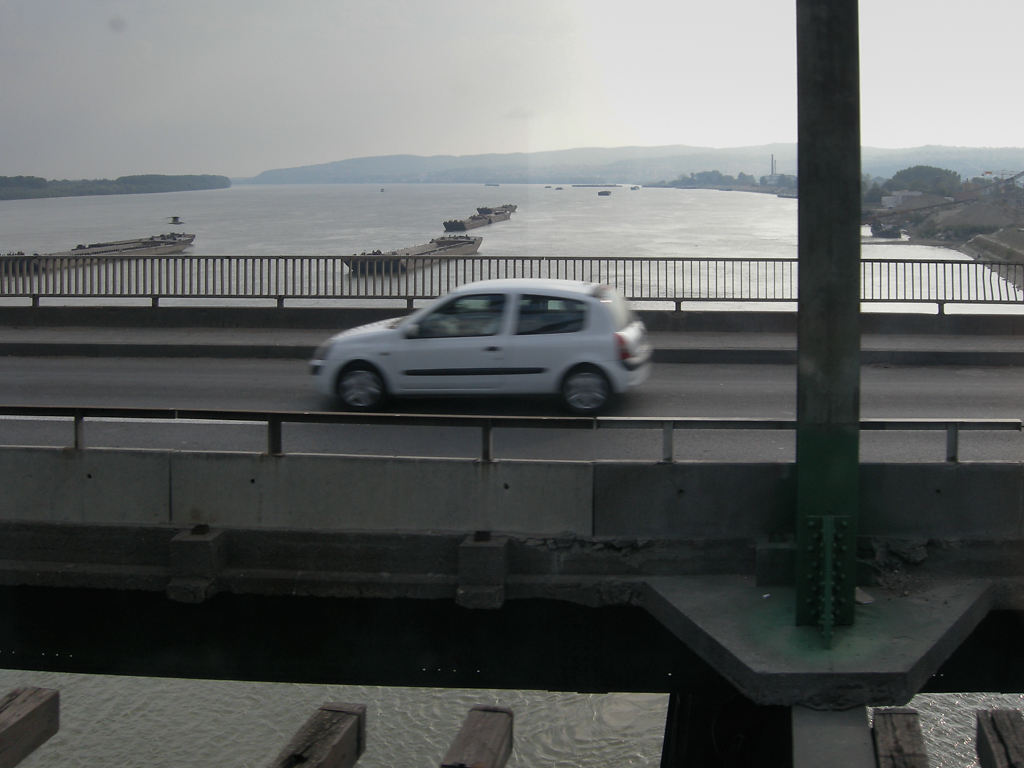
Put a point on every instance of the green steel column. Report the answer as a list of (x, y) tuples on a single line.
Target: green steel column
[(828, 335)]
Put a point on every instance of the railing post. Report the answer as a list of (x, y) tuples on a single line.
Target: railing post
[(79, 437), (487, 442), (953, 442), (667, 442), (274, 436)]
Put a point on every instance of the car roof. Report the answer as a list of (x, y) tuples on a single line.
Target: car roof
[(529, 285)]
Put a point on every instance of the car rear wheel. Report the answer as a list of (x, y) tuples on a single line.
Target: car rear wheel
[(585, 391), (360, 388)]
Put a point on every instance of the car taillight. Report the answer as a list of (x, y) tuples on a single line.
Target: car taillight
[(623, 346)]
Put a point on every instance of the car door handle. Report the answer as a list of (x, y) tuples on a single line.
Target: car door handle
[(492, 349)]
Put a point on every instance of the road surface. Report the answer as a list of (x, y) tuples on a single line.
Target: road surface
[(748, 391)]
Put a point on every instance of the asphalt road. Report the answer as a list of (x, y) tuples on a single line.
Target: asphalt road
[(727, 390)]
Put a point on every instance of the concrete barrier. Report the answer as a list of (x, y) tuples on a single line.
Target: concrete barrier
[(94, 486), (695, 501), (943, 501), (365, 494), (236, 490)]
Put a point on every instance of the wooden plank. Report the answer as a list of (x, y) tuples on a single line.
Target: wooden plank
[(898, 739), (333, 737), (28, 717), (1000, 738), (484, 741)]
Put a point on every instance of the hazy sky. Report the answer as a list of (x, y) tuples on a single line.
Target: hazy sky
[(102, 88)]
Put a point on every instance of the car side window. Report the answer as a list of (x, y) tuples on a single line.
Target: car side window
[(549, 314), (474, 315)]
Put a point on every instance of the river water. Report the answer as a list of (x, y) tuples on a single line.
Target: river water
[(574, 222), (346, 219), (170, 723), (352, 218)]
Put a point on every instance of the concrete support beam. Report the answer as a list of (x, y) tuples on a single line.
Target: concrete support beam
[(484, 741), (748, 634), (333, 737), (836, 739), (196, 559), (828, 319), (483, 568), (28, 717)]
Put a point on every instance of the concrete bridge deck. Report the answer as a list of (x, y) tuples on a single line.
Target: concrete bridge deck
[(704, 548)]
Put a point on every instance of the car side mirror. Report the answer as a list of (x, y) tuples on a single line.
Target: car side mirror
[(412, 331)]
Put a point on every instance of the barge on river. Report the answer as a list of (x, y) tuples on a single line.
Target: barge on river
[(482, 217), (392, 262), (155, 245)]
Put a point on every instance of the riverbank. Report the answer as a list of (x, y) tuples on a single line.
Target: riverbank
[(1006, 244), (32, 187), (981, 229)]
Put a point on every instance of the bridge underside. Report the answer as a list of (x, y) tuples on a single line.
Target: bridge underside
[(706, 549), (726, 601)]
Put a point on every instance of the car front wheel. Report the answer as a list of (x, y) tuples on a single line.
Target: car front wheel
[(586, 391), (360, 388)]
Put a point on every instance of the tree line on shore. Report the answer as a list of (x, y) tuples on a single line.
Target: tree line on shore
[(925, 179), (938, 204), (926, 201), (780, 182), (25, 187)]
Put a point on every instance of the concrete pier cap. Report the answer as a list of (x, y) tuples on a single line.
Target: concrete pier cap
[(748, 633)]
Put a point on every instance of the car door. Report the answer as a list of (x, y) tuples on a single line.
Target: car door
[(456, 347), (547, 333)]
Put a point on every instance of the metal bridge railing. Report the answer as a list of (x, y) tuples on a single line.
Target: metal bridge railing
[(275, 420), (674, 280)]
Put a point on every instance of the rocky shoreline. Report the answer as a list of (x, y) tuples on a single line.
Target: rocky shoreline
[(981, 229), (1006, 245)]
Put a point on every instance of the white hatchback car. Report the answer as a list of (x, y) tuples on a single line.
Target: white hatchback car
[(578, 341)]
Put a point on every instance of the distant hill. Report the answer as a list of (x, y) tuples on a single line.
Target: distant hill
[(632, 165), (25, 187), (969, 162)]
